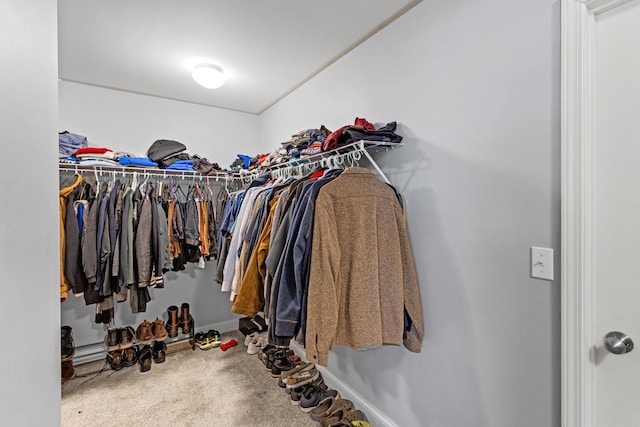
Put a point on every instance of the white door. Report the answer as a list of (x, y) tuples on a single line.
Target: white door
[(617, 212), (603, 260)]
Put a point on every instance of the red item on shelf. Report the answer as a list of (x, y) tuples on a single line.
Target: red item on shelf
[(91, 150)]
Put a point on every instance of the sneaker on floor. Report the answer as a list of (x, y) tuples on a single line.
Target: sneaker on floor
[(201, 340), (299, 367), (67, 346), (256, 345), (282, 361), (298, 392), (301, 378), (250, 337), (207, 340), (314, 396), (213, 337)]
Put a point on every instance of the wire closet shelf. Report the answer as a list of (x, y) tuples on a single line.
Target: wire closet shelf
[(346, 155)]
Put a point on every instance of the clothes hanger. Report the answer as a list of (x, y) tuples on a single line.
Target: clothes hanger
[(209, 188), (143, 186), (181, 190), (134, 181), (356, 155)]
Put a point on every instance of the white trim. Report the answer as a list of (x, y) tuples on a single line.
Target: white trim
[(578, 287), (597, 7), (375, 417)]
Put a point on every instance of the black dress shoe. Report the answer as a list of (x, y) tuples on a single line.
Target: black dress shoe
[(159, 352), (144, 358)]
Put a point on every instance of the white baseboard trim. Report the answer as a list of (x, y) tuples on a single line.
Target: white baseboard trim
[(97, 351), (376, 418)]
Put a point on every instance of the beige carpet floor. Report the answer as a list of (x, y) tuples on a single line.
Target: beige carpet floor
[(192, 388)]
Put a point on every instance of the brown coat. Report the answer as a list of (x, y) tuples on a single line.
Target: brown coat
[(363, 274), (250, 298), (64, 194)]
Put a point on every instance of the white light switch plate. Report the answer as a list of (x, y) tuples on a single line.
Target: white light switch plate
[(542, 263)]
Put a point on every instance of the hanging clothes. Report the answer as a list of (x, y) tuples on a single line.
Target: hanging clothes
[(363, 278), (66, 187), (115, 240), (75, 215), (292, 295)]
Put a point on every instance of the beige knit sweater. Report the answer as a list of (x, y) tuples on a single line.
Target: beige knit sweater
[(362, 270)]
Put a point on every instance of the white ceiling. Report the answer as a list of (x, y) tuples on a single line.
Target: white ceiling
[(267, 48)]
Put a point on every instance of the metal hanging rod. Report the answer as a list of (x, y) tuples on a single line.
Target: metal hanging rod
[(333, 157), (146, 172)]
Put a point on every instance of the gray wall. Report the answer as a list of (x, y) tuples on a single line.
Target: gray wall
[(30, 312), (475, 88)]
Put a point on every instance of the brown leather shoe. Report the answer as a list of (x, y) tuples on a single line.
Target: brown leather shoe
[(144, 334), (67, 370), (112, 339), (130, 356), (114, 358), (159, 330), (126, 337)]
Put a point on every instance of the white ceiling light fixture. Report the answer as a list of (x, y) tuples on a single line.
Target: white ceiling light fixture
[(210, 76)]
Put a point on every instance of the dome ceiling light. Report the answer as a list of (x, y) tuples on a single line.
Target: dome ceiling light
[(210, 76)]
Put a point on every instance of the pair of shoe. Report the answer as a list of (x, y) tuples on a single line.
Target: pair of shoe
[(118, 359), (256, 343), (148, 332), (115, 359), (249, 338), (156, 353), (314, 395), (182, 322), (302, 377), (268, 353), (208, 340), (119, 338), (335, 411), (283, 360), (297, 393), (298, 367)]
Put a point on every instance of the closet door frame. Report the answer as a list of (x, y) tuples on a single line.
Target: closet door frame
[(578, 326)]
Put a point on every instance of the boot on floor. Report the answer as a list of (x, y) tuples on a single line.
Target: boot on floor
[(172, 323), (185, 319)]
